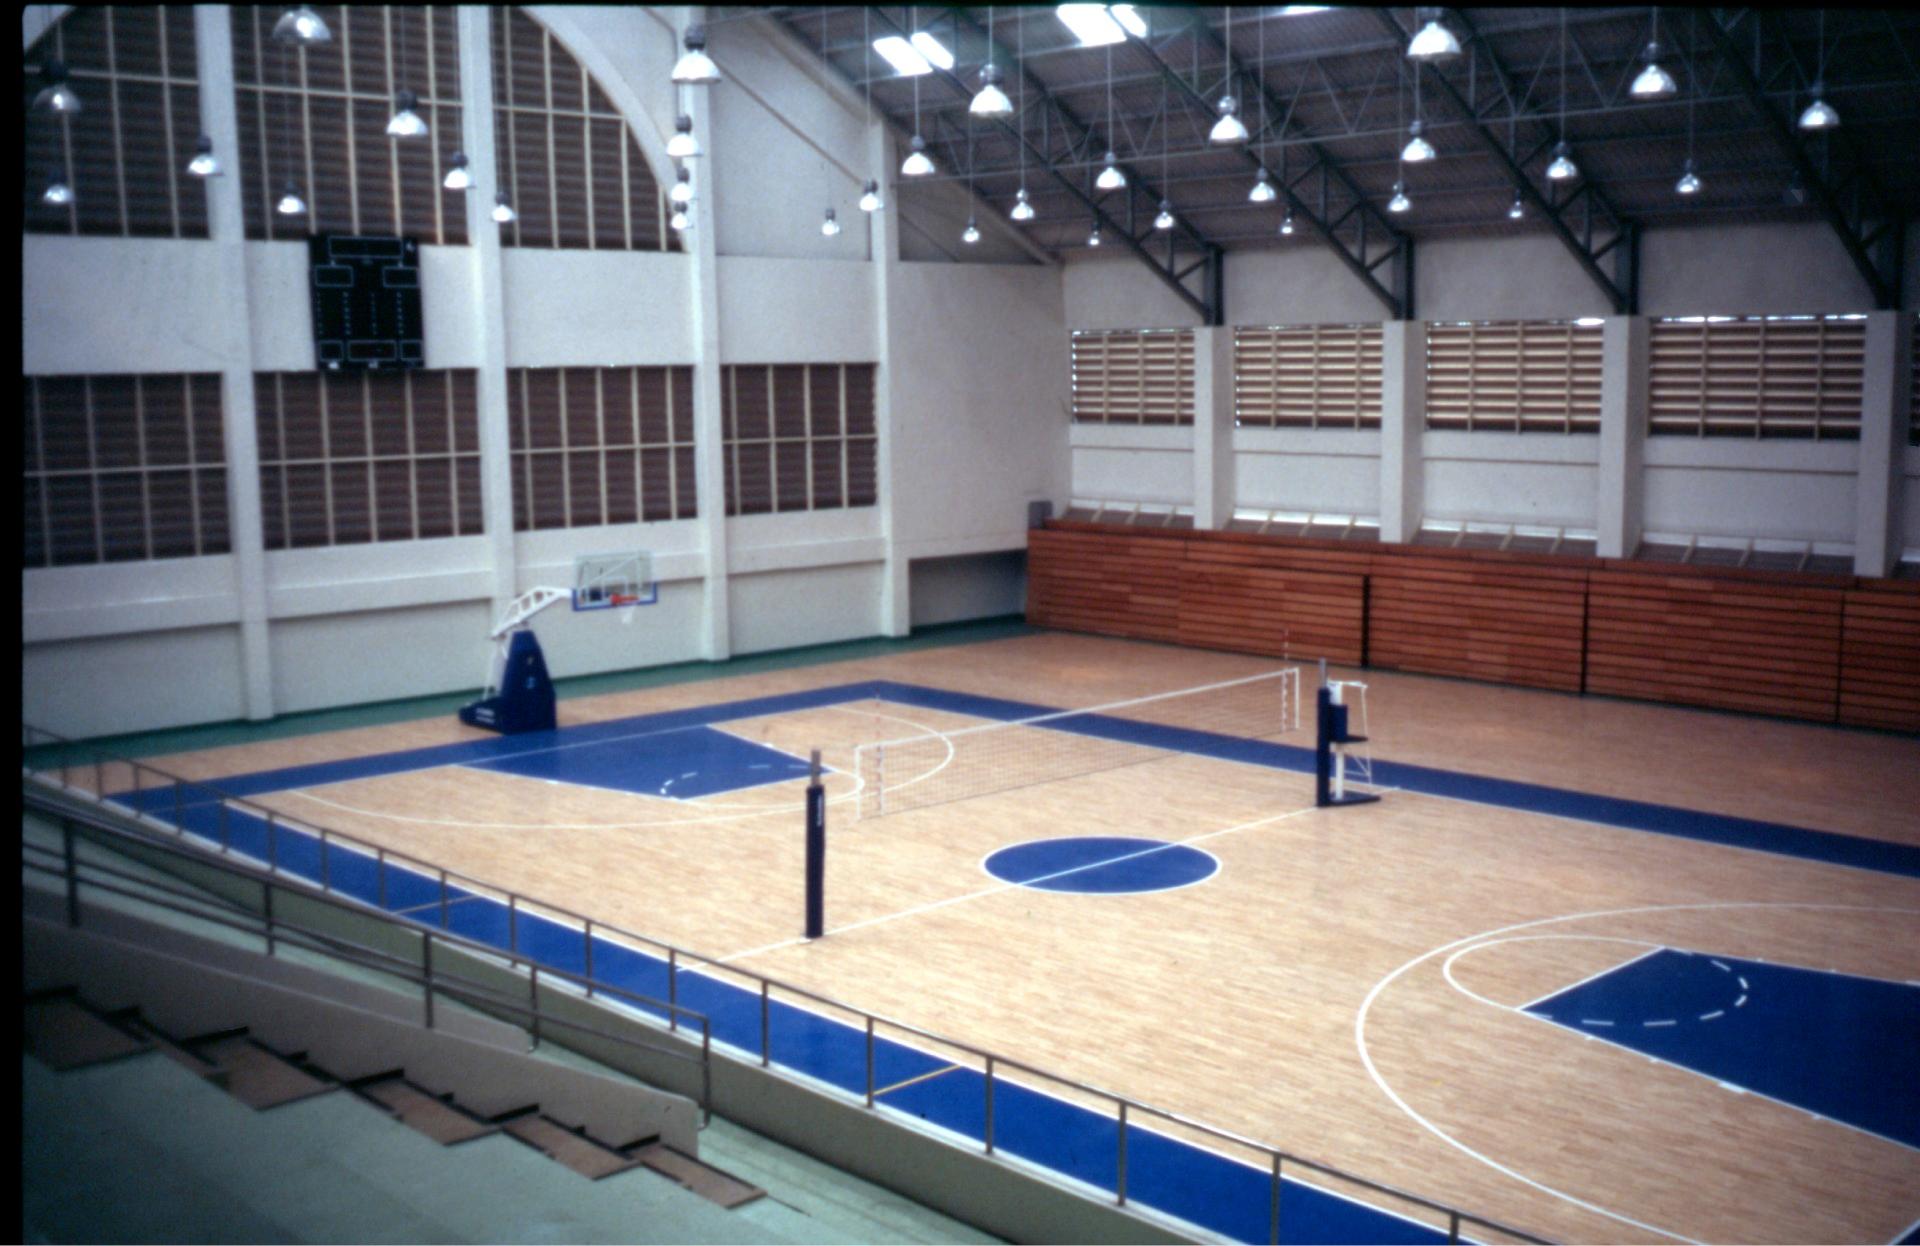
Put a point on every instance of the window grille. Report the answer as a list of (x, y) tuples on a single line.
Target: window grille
[(319, 116), (1516, 376), (1307, 376), (595, 446), (125, 153), (348, 458), (566, 156), (122, 468), (1757, 376), (799, 436), (1140, 376)]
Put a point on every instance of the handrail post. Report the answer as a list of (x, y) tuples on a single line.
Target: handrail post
[(1453, 1227), (179, 805), (1120, 1174), (587, 935), (426, 961), (1273, 1204), (513, 924), (533, 991), (226, 829), (706, 1070), (380, 868), (273, 843), (766, 1028), (70, 856), (869, 1059), (266, 911), (100, 777), (326, 871), (443, 897), (987, 1132), (673, 989)]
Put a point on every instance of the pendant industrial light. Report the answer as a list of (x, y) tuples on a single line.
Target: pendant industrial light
[(1689, 183), (917, 163), (1563, 168), (1111, 178), (405, 123), (870, 197), (1263, 191), (1418, 149), (57, 194), (290, 203), (695, 67), (1093, 239), (1434, 42), (204, 163), (1164, 220), (1518, 209), (1286, 224), (680, 221), (459, 176), (1229, 129), (502, 210), (870, 193), (1400, 202), (830, 226), (683, 145), (56, 95), (302, 26), (990, 100), (1022, 205), (1820, 115), (682, 192), (971, 234), (1653, 82)]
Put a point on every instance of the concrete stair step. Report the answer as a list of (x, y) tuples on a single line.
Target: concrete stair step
[(437, 1118), (63, 1033), (256, 1075), (703, 1179), (574, 1149)]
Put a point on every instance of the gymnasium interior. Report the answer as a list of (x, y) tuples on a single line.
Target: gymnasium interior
[(1103, 623)]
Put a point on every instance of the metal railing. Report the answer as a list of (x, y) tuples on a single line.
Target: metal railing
[(71, 760)]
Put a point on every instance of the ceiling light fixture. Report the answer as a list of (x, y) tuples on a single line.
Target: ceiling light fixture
[(1518, 209), (683, 145), (459, 176), (58, 194), (903, 56), (680, 221), (204, 163), (1563, 168), (682, 191), (1689, 183), (917, 163), (406, 123), (695, 67), (290, 203), (1263, 191), (1229, 129), (971, 234), (302, 26), (1286, 224), (870, 197), (502, 210), (1022, 207), (1111, 178), (1820, 115), (1096, 25), (990, 101), (1165, 219), (1399, 202), (932, 49), (1434, 42), (830, 226), (56, 95), (1093, 239), (1418, 148)]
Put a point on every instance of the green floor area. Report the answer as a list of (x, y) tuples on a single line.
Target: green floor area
[(219, 735)]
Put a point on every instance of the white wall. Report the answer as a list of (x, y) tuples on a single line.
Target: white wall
[(947, 590)]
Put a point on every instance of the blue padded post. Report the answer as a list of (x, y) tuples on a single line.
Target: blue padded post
[(525, 701)]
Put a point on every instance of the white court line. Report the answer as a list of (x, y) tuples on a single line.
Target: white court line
[(1002, 887), (1373, 1071), (1903, 1234), (1446, 968)]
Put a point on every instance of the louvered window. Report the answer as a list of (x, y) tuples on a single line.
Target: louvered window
[(572, 166), (317, 116), (799, 436), (1307, 376), (1514, 376), (347, 458), (1757, 376), (596, 446), (122, 468), (1133, 377), (124, 154)]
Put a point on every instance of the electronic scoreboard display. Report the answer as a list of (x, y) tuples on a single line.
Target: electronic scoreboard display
[(366, 303)]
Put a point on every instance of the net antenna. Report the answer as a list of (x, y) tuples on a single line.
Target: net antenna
[(937, 767)]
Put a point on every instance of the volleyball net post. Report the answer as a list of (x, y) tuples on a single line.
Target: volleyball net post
[(1337, 743), (816, 850)]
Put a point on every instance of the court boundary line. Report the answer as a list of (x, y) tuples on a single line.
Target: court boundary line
[(1446, 968)]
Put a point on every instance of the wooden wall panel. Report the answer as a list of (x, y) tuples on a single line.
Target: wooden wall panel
[(1111, 585), (1513, 624), (1880, 657), (1730, 644)]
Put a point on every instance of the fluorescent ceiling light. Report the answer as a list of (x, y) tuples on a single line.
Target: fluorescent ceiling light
[(902, 56), (1097, 25), (932, 49), (1299, 10)]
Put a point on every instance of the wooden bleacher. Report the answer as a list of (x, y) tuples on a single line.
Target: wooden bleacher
[(1825, 648)]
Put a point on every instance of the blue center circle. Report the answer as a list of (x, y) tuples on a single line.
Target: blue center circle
[(1102, 865)]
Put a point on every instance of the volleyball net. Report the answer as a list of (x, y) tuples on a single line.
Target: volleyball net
[(937, 767)]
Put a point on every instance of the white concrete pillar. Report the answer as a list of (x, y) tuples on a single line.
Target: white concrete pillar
[(487, 321), (1212, 427), (226, 226), (709, 432), (1403, 418), (1886, 397), (1623, 435), (896, 606)]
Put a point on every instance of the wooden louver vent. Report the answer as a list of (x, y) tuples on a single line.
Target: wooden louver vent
[(1757, 376), (594, 446), (799, 436), (1307, 376), (1140, 376), (1517, 376)]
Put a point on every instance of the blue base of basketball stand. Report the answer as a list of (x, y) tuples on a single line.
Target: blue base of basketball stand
[(525, 701), (1332, 730)]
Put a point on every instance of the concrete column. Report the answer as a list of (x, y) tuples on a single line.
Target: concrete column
[(1212, 427), (213, 46), (1623, 435), (1403, 418), (896, 606), (487, 321), (1886, 397), (709, 456)]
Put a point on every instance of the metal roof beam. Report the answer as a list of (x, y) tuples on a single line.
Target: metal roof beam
[(1625, 299), (1857, 233)]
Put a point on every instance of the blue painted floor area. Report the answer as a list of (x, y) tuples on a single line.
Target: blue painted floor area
[(1844, 1047), (684, 764), (1102, 865)]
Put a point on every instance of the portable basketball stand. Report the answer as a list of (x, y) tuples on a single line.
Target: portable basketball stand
[(1333, 737), (519, 694)]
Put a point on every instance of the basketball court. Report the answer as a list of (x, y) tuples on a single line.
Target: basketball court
[(1589, 969)]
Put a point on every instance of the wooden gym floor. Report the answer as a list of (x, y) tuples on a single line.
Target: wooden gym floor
[(1348, 985)]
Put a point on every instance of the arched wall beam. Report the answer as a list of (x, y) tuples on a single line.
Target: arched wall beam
[(1210, 303), (1359, 258), (1621, 289), (1861, 226)]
